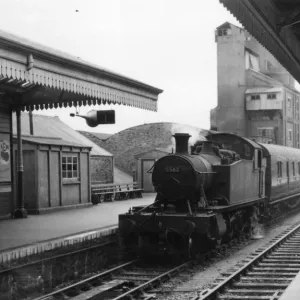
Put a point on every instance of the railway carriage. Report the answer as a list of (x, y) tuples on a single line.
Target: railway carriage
[(223, 187), (282, 175)]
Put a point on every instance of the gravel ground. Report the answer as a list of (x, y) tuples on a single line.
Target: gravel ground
[(189, 283)]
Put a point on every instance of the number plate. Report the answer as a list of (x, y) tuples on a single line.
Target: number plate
[(172, 169)]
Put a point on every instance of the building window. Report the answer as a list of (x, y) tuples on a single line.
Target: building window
[(298, 168), (265, 132), (223, 32), (289, 103), (70, 166), (251, 61), (271, 96), (255, 97), (269, 66), (290, 135), (279, 169)]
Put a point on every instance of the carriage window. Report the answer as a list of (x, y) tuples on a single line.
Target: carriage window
[(279, 169), (293, 166)]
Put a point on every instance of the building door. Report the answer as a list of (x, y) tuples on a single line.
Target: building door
[(29, 187), (147, 177)]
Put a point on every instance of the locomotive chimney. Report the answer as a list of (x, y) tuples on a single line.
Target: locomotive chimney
[(182, 145), (207, 148)]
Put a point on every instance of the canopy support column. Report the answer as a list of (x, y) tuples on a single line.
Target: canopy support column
[(20, 211)]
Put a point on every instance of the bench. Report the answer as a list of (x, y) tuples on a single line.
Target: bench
[(111, 192)]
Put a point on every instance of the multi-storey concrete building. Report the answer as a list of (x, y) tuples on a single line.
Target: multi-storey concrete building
[(256, 95)]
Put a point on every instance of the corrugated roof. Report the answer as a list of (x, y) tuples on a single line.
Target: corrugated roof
[(46, 126), (264, 90), (50, 141)]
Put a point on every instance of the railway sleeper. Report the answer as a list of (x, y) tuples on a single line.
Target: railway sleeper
[(289, 247), (282, 260), (284, 255), (290, 243), (272, 274), (132, 278), (280, 269), (260, 285), (289, 252), (231, 297), (262, 264), (130, 273), (249, 291), (252, 279)]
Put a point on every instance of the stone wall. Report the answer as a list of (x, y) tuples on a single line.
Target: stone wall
[(135, 140), (101, 169)]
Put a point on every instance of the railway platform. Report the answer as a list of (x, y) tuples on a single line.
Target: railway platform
[(39, 233), (293, 290)]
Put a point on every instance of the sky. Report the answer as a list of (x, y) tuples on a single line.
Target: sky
[(169, 44)]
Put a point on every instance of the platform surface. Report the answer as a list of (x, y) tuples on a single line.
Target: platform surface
[(16, 233), (293, 290)]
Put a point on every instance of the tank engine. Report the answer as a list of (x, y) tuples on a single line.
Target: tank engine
[(202, 198)]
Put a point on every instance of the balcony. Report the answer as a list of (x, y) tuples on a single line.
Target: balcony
[(264, 99)]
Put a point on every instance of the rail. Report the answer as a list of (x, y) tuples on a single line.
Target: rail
[(125, 281), (268, 273)]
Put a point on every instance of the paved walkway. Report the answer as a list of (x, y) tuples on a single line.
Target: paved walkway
[(38, 228)]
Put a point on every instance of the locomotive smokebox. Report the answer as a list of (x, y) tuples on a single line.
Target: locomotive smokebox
[(182, 143)]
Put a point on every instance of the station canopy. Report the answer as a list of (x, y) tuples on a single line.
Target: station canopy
[(275, 24), (33, 76)]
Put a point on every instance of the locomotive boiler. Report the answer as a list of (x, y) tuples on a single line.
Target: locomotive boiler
[(203, 198)]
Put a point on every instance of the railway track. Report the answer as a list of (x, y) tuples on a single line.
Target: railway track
[(20, 280), (122, 282), (87, 285), (130, 280), (265, 275)]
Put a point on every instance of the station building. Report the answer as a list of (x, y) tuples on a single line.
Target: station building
[(257, 97), (33, 77), (60, 165)]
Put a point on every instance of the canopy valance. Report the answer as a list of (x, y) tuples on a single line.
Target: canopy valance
[(37, 77)]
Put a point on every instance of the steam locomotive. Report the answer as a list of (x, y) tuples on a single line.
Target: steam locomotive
[(222, 188)]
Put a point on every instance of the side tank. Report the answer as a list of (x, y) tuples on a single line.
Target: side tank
[(181, 175)]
